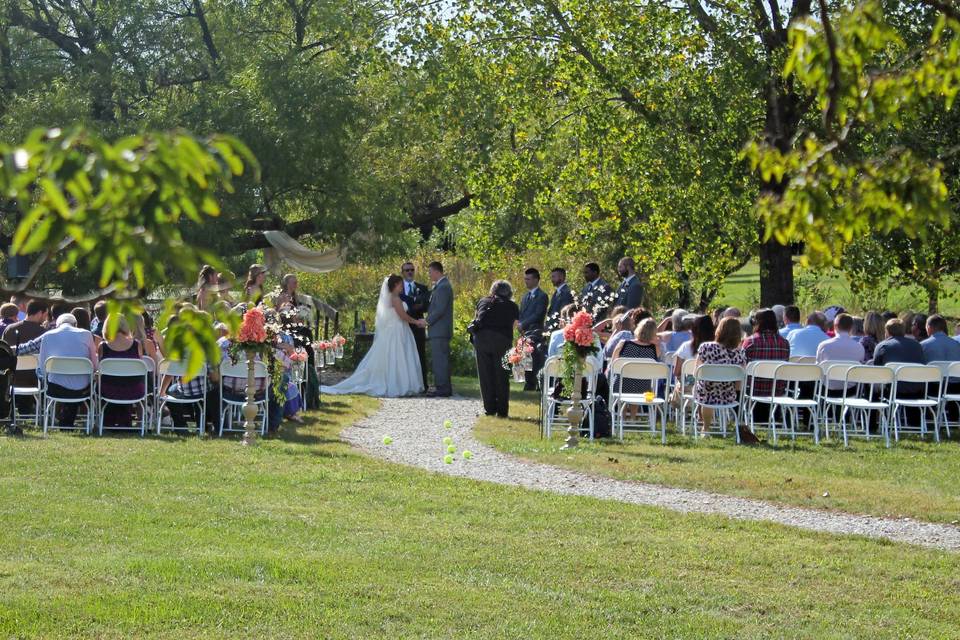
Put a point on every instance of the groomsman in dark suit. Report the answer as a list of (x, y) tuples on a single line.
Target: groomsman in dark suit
[(596, 294), (562, 296), (630, 293), (533, 312), (417, 297)]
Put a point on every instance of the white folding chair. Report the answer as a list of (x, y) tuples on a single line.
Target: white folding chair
[(554, 410), (831, 404), (640, 369), (756, 371), (28, 363), (948, 371), (73, 367), (687, 370), (866, 389), (176, 369), (153, 383), (135, 371), (716, 373), (931, 379), (790, 376), (803, 359), (231, 409)]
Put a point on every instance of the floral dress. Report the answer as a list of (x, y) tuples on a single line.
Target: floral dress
[(718, 392)]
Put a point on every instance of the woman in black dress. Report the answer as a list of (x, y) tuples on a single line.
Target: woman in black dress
[(493, 325), (644, 345)]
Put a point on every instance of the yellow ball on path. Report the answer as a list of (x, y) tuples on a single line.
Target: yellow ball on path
[(387, 440), (448, 459), (467, 455), (448, 424), (451, 449)]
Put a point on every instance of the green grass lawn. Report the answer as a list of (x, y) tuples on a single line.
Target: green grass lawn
[(303, 537), (914, 478)]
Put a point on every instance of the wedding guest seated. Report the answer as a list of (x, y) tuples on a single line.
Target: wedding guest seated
[(21, 302), (8, 315), (841, 348), (791, 320), (898, 348), (956, 332), (918, 328), (679, 323), (604, 328), (778, 310), (873, 334), (765, 343), (622, 329), (643, 345), (24, 333), (725, 349), (57, 309), (99, 317), (732, 312), (193, 389), (804, 342), (556, 338), (67, 341), (147, 345), (703, 330), (857, 332), (235, 390), (82, 316), (122, 345), (939, 347)]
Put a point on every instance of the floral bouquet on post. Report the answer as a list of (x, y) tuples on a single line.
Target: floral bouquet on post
[(519, 359), (258, 337), (579, 341)]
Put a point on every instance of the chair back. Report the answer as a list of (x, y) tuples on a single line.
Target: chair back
[(868, 374), (68, 366), (124, 368), (803, 359), (720, 373), (641, 369), (836, 371), (176, 369), (918, 373), (239, 370), (689, 368), (943, 365), (795, 372), (670, 357), (27, 363)]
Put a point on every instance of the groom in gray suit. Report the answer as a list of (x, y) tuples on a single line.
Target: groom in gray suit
[(440, 329)]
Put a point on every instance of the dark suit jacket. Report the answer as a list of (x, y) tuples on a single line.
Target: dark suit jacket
[(595, 298), (561, 298), (533, 311), (418, 302), (630, 294)]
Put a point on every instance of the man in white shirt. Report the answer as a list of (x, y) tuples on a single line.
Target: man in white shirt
[(67, 341), (840, 348), (804, 342)]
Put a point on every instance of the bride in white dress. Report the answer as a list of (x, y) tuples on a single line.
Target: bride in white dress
[(391, 367)]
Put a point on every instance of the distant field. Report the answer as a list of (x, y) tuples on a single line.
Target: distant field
[(742, 289)]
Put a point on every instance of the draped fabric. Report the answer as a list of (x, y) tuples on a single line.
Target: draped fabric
[(298, 257)]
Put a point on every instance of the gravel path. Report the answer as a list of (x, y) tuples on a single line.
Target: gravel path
[(416, 428)]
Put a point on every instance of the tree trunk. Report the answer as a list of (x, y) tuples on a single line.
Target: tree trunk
[(776, 274), (933, 297), (6, 68)]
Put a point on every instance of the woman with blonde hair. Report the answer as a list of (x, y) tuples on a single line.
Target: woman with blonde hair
[(121, 345)]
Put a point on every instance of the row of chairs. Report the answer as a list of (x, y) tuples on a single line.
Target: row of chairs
[(150, 404), (845, 394)]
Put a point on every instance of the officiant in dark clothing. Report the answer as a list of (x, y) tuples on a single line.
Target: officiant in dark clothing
[(417, 297), (492, 338)]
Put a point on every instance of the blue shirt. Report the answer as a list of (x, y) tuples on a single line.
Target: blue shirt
[(793, 326), (677, 338), (940, 347), (804, 342)]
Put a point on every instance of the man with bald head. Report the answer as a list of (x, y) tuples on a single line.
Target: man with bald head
[(630, 293)]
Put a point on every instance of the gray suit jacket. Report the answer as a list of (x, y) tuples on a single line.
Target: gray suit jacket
[(440, 311), (630, 294), (533, 311)]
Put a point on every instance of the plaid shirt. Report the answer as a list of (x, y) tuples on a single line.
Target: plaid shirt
[(768, 345)]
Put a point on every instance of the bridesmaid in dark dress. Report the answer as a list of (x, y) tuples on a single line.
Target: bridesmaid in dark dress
[(123, 345), (644, 345)]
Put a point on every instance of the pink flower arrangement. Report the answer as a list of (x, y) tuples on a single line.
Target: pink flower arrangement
[(253, 328), (339, 340), (298, 356), (323, 345), (580, 330)]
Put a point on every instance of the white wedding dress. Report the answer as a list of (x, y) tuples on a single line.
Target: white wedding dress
[(391, 368)]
